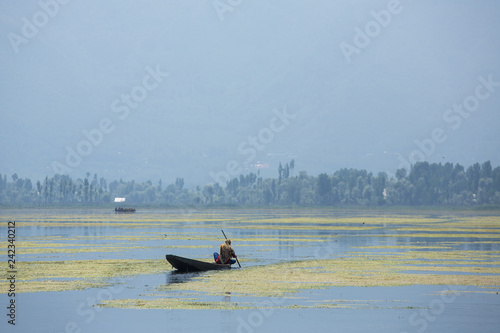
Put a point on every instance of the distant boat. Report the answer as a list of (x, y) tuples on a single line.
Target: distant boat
[(121, 209), (190, 265), (124, 210)]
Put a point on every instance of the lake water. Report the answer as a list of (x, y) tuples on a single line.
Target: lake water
[(302, 270)]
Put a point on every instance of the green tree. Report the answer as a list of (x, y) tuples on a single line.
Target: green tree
[(208, 192), (292, 191), (179, 183), (400, 174), (28, 186), (268, 196), (86, 190), (473, 175), (379, 185), (324, 187), (280, 173), (486, 170)]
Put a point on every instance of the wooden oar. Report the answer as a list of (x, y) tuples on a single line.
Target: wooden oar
[(226, 238)]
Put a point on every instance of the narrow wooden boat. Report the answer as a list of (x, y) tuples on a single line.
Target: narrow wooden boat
[(190, 265), (124, 210)]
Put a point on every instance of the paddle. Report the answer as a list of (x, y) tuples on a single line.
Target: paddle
[(226, 238)]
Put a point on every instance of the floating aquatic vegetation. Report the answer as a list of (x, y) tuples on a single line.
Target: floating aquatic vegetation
[(173, 303), (38, 276), (403, 247), (413, 249), (282, 280), (450, 234)]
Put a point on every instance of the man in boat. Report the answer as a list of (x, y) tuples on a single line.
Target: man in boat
[(226, 254)]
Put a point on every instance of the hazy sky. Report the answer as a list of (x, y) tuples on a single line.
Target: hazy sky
[(205, 89)]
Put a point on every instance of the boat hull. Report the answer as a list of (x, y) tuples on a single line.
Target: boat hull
[(190, 265), (120, 210)]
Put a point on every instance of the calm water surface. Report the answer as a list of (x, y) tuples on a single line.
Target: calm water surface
[(196, 234)]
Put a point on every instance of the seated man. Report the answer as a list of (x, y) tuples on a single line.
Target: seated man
[(226, 253)]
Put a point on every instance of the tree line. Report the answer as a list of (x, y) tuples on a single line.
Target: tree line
[(424, 184)]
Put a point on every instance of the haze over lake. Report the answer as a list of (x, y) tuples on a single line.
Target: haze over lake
[(169, 89), (349, 149)]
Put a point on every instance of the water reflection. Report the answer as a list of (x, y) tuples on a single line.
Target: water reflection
[(226, 316), (174, 277)]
